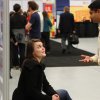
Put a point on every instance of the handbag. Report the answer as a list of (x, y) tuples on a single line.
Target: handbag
[(74, 39)]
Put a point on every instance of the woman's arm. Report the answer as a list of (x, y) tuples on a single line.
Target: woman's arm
[(47, 88), (29, 77)]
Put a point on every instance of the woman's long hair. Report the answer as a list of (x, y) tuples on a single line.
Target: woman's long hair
[(45, 15)]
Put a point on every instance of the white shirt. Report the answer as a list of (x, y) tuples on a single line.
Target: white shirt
[(96, 57), (41, 21)]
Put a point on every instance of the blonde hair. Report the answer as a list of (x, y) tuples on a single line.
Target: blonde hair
[(66, 9)]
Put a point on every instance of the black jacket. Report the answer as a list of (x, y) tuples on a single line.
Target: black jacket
[(32, 82), (17, 21), (66, 23)]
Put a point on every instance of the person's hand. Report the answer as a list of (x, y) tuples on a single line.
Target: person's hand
[(74, 32), (86, 58), (55, 97), (58, 31), (16, 43)]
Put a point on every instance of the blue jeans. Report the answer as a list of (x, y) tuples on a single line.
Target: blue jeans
[(64, 95)]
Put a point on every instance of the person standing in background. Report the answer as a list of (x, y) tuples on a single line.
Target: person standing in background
[(46, 31), (33, 26), (66, 27), (17, 26)]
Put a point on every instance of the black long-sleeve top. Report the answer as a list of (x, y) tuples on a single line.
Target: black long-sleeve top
[(32, 82), (18, 21), (66, 23)]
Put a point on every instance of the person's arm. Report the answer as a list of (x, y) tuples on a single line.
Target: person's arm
[(73, 24), (30, 74), (47, 88), (95, 58), (25, 20), (60, 23), (49, 23), (12, 36), (28, 26), (30, 23), (86, 58)]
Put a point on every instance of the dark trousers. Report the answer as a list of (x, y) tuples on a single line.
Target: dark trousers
[(19, 50), (11, 54), (11, 57), (63, 41), (46, 40)]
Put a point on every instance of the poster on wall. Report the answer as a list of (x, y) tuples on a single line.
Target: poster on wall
[(80, 9), (1, 50)]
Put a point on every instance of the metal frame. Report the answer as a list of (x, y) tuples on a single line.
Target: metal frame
[(6, 50)]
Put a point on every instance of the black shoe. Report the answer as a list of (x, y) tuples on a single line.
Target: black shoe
[(11, 77), (63, 51)]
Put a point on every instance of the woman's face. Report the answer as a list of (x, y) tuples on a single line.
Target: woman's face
[(39, 50)]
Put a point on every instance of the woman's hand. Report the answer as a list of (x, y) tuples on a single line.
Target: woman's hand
[(55, 97), (86, 58)]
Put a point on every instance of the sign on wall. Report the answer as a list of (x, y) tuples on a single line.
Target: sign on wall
[(48, 8), (80, 9)]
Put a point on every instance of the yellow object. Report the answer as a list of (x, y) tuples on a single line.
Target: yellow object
[(80, 12)]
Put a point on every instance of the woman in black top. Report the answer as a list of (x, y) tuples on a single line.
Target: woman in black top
[(33, 80)]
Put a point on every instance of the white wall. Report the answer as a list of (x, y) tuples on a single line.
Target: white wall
[(80, 2), (23, 4)]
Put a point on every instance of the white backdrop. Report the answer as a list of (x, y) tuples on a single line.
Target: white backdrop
[(80, 2), (23, 4)]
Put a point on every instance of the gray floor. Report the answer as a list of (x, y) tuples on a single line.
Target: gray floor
[(82, 83)]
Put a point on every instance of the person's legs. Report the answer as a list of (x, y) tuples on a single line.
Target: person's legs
[(69, 44), (43, 38), (63, 44), (47, 41), (15, 56), (22, 53), (11, 59), (64, 95)]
